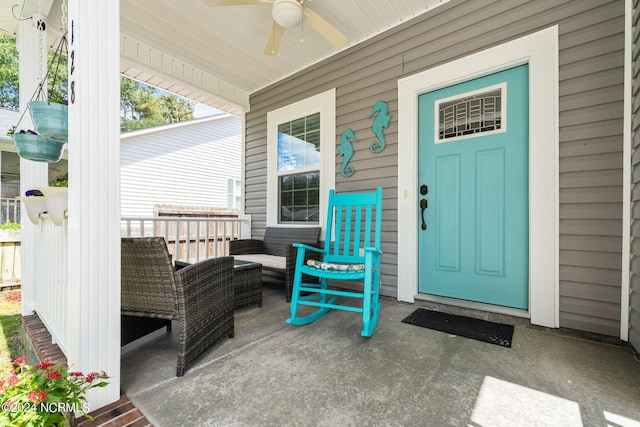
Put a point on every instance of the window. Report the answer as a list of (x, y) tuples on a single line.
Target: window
[(299, 170), (300, 160), (233, 193), (470, 114)]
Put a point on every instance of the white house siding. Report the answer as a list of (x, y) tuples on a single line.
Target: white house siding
[(185, 163), (591, 40), (634, 297)]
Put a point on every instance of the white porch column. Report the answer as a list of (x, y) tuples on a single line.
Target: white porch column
[(94, 192), (33, 67)]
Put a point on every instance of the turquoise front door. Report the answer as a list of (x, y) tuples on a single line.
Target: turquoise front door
[(473, 177)]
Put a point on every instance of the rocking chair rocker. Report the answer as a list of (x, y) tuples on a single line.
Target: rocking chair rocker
[(354, 218)]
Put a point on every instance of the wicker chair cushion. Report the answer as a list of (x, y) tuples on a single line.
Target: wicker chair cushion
[(270, 261)]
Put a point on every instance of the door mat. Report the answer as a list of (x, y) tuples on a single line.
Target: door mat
[(477, 329)]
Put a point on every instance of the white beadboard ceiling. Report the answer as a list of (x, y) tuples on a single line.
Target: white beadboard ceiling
[(214, 55)]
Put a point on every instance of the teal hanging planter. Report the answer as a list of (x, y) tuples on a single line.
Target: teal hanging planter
[(38, 148), (50, 119)]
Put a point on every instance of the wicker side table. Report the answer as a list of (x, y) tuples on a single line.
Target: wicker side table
[(247, 284)]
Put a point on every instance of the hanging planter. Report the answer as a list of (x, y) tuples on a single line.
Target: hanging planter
[(35, 204), (37, 148), (51, 116), (50, 119), (57, 200)]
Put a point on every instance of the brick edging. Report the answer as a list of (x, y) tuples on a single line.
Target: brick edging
[(120, 413)]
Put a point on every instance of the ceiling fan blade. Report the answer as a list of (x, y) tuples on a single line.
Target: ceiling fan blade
[(324, 28), (235, 2), (275, 37)]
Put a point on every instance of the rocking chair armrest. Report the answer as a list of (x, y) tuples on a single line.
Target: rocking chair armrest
[(374, 251), (309, 247), (292, 255)]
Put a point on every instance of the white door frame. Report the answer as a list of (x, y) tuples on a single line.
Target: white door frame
[(540, 51)]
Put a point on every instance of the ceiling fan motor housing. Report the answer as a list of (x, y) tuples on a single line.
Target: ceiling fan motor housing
[(287, 13)]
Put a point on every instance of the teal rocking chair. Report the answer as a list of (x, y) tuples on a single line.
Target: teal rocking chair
[(353, 222)]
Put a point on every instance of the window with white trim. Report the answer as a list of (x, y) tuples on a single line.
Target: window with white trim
[(300, 161), (233, 193)]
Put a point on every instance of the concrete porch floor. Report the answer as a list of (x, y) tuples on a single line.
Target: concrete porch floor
[(326, 374)]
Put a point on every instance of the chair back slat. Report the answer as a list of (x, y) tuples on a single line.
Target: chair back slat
[(346, 244), (338, 232), (357, 232), (367, 230)]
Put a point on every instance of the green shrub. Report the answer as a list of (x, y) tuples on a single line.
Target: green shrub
[(10, 226)]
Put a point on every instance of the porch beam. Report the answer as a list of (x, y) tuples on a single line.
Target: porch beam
[(31, 7), (94, 193), (151, 65)]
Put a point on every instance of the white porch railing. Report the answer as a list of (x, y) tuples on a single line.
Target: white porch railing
[(50, 279), (188, 238)]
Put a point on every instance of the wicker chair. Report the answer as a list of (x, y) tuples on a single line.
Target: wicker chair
[(199, 296), (276, 252)]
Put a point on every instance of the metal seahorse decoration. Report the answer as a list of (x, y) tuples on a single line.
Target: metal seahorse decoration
[(345, 149), (380, 123)]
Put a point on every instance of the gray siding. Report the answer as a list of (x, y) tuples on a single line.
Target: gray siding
[(634, 297), (183, 164), (591, 92)]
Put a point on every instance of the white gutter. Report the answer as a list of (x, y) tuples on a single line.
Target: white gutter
[(626, 172), (175, 125)]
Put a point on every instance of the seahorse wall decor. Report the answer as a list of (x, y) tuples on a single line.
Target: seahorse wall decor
[(380, 123), (345, 149)]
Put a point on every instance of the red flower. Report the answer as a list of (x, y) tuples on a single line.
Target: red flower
[(13, 380), (91, 376), (20, 360), (44, 365), (54, 375), (76, 374), (37, 396)]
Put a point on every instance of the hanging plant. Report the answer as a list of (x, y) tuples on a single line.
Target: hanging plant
[(38, 148), (50, 113), (50, 119)]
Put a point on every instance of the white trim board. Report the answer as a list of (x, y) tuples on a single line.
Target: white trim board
[(540, 51)]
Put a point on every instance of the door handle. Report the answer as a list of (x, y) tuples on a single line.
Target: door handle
[(423, 206)]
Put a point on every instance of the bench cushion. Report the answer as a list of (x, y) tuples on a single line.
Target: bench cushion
[(267, 261), (334, 266)]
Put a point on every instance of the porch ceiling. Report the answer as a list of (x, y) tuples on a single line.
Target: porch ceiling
[(214, 55)]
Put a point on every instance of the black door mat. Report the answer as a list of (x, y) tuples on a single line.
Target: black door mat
[(477, 329)]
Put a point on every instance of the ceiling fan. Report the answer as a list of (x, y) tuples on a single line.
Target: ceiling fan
[(288, 14)]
